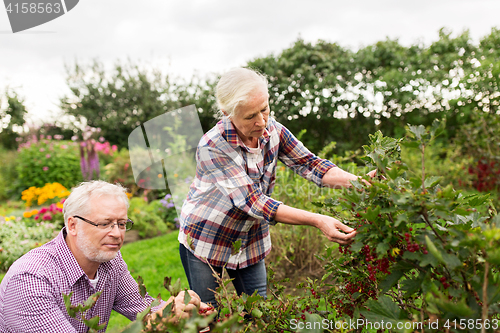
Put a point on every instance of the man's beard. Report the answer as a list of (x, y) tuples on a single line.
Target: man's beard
[(92, 253)]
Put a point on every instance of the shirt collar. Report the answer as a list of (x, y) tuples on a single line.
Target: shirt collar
[(69, 264), (229, 133), (68, 261)]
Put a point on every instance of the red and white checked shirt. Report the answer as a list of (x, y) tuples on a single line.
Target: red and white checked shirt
[(31, 291), (230, 197)]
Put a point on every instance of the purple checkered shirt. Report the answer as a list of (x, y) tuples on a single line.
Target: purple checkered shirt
[(229, 199), (31, 291)]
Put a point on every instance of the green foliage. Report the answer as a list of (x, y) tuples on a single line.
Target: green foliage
[(7, 173), (478, 142), (149, 219), (79, 311), (47, 161), (117, 101), (18, 236), (152, 259), (382, 86), (422, 251)]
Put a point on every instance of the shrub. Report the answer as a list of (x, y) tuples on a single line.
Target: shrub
[(149, 219), (18, 237), (47, 161), (423, 252), (7, 173)]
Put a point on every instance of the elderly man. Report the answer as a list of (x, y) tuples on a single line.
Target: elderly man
[(84, 258)]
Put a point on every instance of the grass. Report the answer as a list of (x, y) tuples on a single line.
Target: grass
[(152, 259)]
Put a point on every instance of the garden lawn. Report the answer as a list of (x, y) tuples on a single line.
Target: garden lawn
[(152, 259)]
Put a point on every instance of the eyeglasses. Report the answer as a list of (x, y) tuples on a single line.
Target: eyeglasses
[(127, 225)]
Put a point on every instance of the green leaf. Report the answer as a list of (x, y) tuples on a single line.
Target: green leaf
[(236, 247), (312, 324), (187, 298), (371, 214), (432, 181), (418, 131), (383, 309), (92, 322), (256, 313), (90, 302), (459, 309), (451, 260), (476, 199), (412, 286), (175, 288), (390, 280), (134, 327), (167, 310), (382, 248), (433, 250), (142, 287), (428, 259)]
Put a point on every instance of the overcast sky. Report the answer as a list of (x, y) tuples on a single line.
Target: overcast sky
[(184, 37)]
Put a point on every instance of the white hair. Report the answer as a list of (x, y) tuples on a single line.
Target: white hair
[(78, 202), (235, 86)]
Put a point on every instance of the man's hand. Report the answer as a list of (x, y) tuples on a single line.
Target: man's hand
[(182, 310)]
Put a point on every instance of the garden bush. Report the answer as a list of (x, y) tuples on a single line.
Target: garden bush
[(18, 237), (47, 160), (7, 173), (151, 219)]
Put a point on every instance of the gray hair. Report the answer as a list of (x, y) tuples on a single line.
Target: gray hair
[(78, 202), (234, 87)]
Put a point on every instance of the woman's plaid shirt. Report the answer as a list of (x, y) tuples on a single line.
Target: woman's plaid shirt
[(230, 200)]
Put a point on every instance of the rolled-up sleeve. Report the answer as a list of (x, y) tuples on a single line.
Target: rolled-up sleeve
[(232, 181), (297, 157)]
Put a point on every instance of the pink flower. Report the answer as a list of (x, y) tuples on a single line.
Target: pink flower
[(49, 137), (47, 216), (62, 201), (101, 139), (52, 207), (64, 146), (45, 168), (43, 210), (37, 217), (42, 149), (114, 147), (47, 156)]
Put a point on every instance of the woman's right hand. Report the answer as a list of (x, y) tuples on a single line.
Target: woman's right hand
[(335, 230)]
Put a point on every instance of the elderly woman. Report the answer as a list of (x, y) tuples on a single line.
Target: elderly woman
[(225, 220)]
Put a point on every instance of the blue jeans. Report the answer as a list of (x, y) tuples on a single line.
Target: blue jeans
[(245, 280)]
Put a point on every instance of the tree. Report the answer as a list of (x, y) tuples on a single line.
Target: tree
[(10, 117), (340, 95), (117, 101)]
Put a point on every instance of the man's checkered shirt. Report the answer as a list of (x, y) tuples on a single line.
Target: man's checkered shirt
[(31, 291)]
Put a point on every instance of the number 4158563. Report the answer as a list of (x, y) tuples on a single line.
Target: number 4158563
[(471, 324), (27, 7)]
